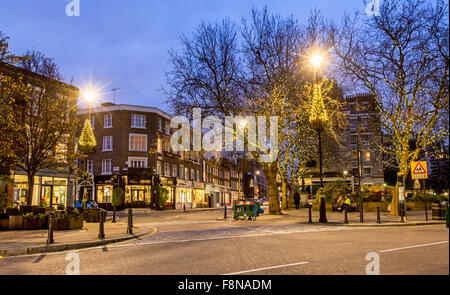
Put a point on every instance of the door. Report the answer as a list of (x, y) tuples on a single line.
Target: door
[(46, 195), (137, 195)]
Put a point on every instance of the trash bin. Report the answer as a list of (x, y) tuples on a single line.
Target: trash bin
[(438, 211), (246, 208)]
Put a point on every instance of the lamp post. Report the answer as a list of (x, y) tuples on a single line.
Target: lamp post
[(243, 124), (318, 119)]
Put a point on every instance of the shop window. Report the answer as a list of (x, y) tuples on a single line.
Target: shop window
[(104, 193)]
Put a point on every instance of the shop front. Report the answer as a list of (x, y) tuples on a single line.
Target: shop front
[(199, 199), (49, 190), (138, 187), (170, 184), (183, 195)]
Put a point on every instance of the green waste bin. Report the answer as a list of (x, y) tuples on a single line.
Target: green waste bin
[(246, 208), (438, 211)]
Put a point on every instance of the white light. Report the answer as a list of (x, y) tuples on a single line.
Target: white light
[(316, 60)]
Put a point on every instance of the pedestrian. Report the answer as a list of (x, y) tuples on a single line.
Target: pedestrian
[(339, 203), (347, 204), (297, 196)]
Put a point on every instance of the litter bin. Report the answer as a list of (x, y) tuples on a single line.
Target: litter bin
[(438, 211), (246, 208)]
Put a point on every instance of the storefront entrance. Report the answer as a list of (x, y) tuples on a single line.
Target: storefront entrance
[(137, 195)]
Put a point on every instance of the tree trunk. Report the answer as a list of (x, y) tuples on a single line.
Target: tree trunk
[(271, 173), (284, 194), (291, 197), (395, 196), (30, 176)]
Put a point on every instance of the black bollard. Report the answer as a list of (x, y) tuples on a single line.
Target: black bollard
[(50, 229), (345, 216), (378, 215), (323, 211), (402, 217), (130, 222), (184, 207), (114, 214), (101, 229), (309, 209), (225, 213), (361, 211)]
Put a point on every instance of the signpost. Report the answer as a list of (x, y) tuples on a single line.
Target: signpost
[(401, 196), (419, 170)]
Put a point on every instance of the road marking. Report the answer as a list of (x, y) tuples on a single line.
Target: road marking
[(415, 246), (265, 268), (172, 217)]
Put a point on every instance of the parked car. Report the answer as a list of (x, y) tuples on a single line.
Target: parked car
[(263, 202), (89, 204)]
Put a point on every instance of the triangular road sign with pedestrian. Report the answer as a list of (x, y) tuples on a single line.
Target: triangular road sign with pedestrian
[(419, 170)]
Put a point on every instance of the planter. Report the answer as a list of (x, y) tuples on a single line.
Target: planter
[(38, 210), (4, 224), (24, 209), (16, 222), (91, 215), (12, 211), (69, 224), (31, 223)]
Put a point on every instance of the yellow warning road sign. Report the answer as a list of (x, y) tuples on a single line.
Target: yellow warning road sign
[(419, 170)]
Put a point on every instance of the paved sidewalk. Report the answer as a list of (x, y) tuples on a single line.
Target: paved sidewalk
[(337, 218), (19, 242)]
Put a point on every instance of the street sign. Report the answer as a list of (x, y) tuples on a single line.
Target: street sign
[(419, 170)]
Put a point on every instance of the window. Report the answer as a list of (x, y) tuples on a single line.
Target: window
[(92, 122), (354, 155), (355, 172), (159, 145), (186, 173), (167, 169), (353, 139), (160, 125), (367, 172), (137, 121), (181, 171), (106, 166), (353, 123), (192, 174), (138, 142), (137, 162), (167, 128), (365, 139), (107, 121), (107, 143), (367, 156), (90, 167), (174, 170), (159, 168), (167, 147), (197, 175)]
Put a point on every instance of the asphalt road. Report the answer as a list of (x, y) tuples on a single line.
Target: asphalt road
[(201, 244)]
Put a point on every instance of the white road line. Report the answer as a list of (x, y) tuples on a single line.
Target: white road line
[(265, 268), (415, 246)]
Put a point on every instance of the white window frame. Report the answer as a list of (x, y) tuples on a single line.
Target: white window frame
[(181, 174), (141, 159), (107, 121), (93, 122), (167, 169), (90, 166), (174, 170), (104, 166), (160, 125), (159, 167), (106, 149), (135, 149), (138, 118)]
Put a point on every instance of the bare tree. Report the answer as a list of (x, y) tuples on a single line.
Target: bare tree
[(401, 57)]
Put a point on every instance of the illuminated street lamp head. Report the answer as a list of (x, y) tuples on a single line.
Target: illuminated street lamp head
[(89, 95), (316, 60), (345, 172), (243, 123)]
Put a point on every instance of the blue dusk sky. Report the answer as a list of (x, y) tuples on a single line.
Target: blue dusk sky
[(124, 43)]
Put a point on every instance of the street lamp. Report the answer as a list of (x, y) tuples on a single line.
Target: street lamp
[(318, 118), (243, 124)]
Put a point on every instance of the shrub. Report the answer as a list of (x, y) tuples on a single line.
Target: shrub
[(61, 207), (163, 196), (117, 197)]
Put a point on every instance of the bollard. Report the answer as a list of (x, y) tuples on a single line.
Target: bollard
[(114, 214), (130, 222), (402, 217), (184, 207), (310, 218), (101, 224), (361, 211), (378, 215), (345, 216), (225, 213), (323, 211), (50, 229)]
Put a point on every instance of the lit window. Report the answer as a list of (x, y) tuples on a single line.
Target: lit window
[(159, 168), (367, 156), (138, 142), (181, 172), (174, 170), (167, 169), (136, 162)]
